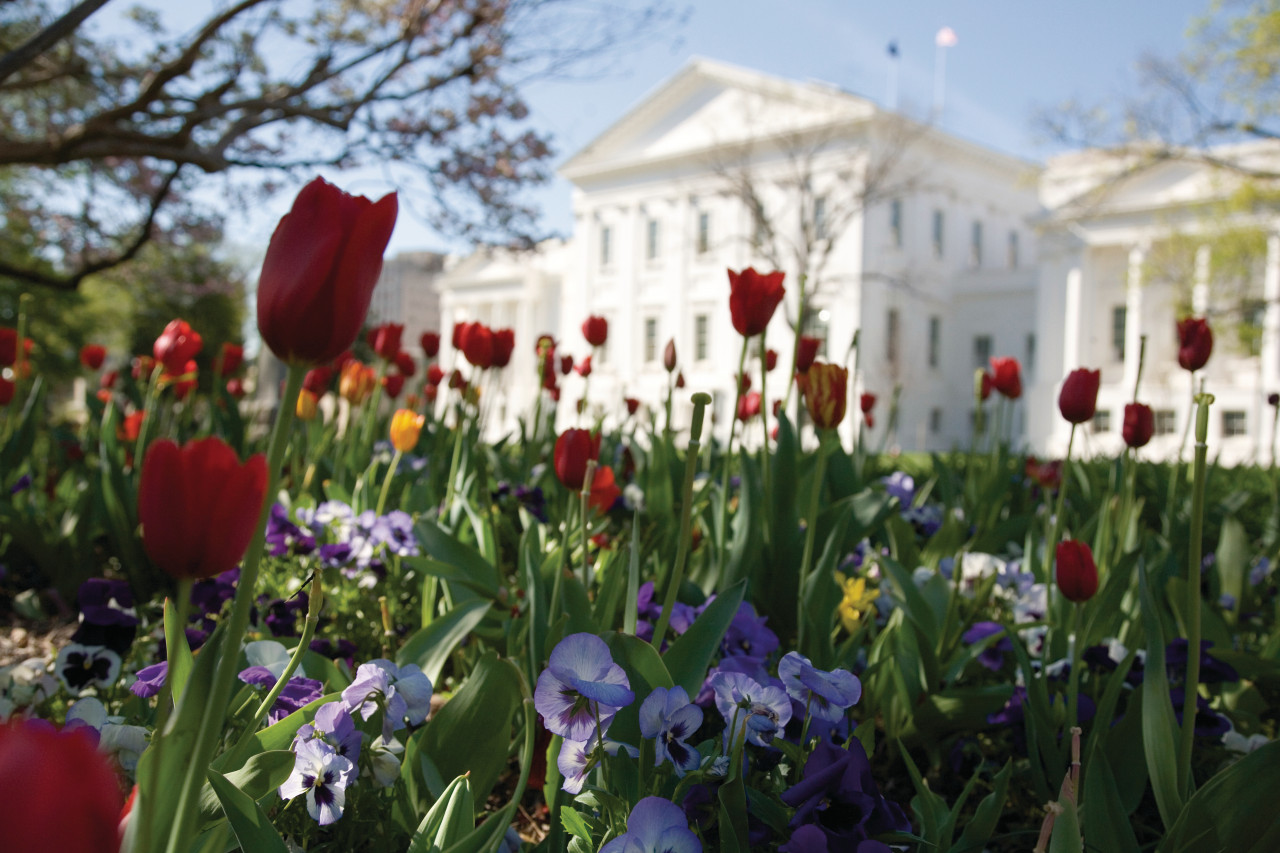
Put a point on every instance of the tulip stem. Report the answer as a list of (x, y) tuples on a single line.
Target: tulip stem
[(149, 415), (453, 465), (210, 730), (584, 505), (386, 482), (811, 533), (1192, 615), (728, 461), (1073, 679), (765, 460), (700, 402)]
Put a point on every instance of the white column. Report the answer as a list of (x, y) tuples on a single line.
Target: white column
[(1071, 321), (1270, 341), (1133, 318), (1200, 292)]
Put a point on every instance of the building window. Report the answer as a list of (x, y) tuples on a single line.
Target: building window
[(935, 420), (891, 336), (651, 241), (1013, 250), (819, 327), (1234, 423), (1102, 420), (704, 233), (1254, 312), (1119, 319), (939, 227), (935, 340), (1166, 422), (605, 234), (1029, 356), (820, 217), (975, 244), (895, 222), (650, 339), (701, 337), (981, 351)]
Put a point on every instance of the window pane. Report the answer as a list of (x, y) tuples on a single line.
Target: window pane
[(701, 331), (1119, 317), (704, 233)]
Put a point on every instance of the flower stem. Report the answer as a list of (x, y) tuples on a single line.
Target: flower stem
[(453, 465), (810, 534), (1194, 556), (386, 482), (1073, 680), (208, 734), (700, 402), (765, 460), (584, 505), (728, 460)]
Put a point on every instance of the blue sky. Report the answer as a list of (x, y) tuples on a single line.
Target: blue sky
[(1012, 58)]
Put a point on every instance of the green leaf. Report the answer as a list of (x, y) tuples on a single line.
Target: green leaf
[(576, 824), (252, 828), (443, 547), (1103, 818), (472, 732), (278, 736), (645, 671), (733, 817), (431, 646), (175, 638), (689, 655), (1066, 830), (983, 823), (1234, 811), (260, 775), (452, 818), (1159, 727), (930, 808)]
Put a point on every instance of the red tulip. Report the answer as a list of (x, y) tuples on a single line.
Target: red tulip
[(770, 359), (435, 375), (669, 355), (456, 380), (199, 506), (385, 340), (633, 405), (235, 387), (1139, 425), (1195, 343), (1006, 377), (595, 330), (806, 353), (985, 386), (477, 345), (430, 393), (604, 490), (748, 406), (584, 367), (92, 355), (131, 427), (744, 383), (317, 380), (321, 267), (404, 363), (1078, 399), (867, 402), (393, 384), (566, 364), (232, 358), (430, 342), (680, 379), (57, 791), (7, 389), (109, 379), (573, 449), (177, 345), (1077, 573), (826, 394), (753, 297), (1047, 475), (8, 346), (504, 344)]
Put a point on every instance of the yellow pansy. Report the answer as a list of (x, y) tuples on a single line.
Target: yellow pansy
[(857, 601)]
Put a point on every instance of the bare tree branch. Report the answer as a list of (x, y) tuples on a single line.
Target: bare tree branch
[(26, 53)]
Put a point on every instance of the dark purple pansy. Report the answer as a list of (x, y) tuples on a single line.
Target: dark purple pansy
[(150, 680), (992, 657), (837, 794)]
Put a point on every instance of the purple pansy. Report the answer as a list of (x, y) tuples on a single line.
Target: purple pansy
[(284, 537), (581, 687), (827, 695), (992, 657), (106, 602), (900, 485), (298, 692), (332, 725), (405, 692), (837, 794), (741, 700), (577, 757), (80, 667), (668, 716), (323, 776), (150, 680), (655, 825), (748, 636)]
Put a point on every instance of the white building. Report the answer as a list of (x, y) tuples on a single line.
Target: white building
[(920, 239), (1127, 247), (406, 293)]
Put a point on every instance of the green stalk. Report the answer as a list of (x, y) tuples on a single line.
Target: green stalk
[(728, 458), (1194, 555), (1073, 680), (386, 482), (584, 505), (700, 402), (149, 415), (209, 733), (764, 428), (811, 532), (453, 465), (1055, 531), (568, 516)]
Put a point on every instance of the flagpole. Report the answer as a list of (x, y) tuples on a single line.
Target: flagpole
[(939, 80), (891, 99)]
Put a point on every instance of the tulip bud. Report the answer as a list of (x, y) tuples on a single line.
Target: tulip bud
[(595, 330), (504, 344), (385, 340), (1076, 572), (748, 406), (753, 297), (669, 355), (8, 346), (393, 384), (232, 357), (1006, 377), (92, 355), (770, 359), (1195, 343), (633, 405), (566, 364), (573, 449), (1139, 425), (430, 343), (584, 367), (680, 379), (1078, 399), (867, 402), (406, 426), (806, 352), (826, 394), (308, 405)]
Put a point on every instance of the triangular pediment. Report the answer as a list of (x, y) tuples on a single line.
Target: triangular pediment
[(707, 105)]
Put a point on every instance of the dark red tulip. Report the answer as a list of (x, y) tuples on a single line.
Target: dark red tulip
[(806, 353), (985, 385), (633, 405), (748, 406), (232, 358), (93, 355), (199, 506), (393, 384), (177, 345), (404, 363), (573, 449), (1273, 399), (604, 490), (866, 402), (8, 346), (566, 364), (430, 342), (456, 380), (1195, 342), (744, 383), (595, 330), (434, 375), (109, 379), (1139, 425), (58, 791), (504, 344), (1076, 572), (317, 380), (770, 359), (584, 367), (1078, 399), (680, 379), (753, 297), (1006, 377), (669, 355), (385, 340), (477, 345), (321, 267)]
